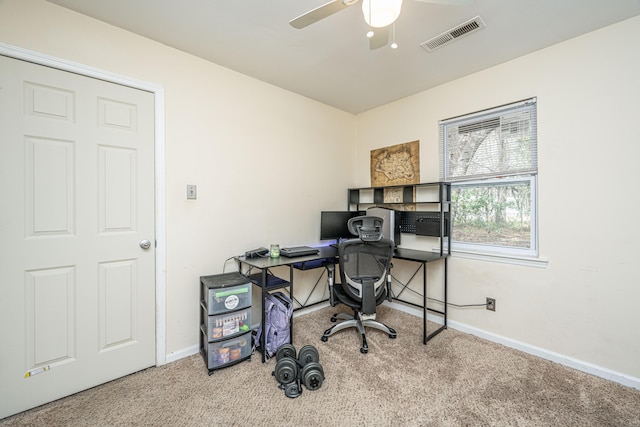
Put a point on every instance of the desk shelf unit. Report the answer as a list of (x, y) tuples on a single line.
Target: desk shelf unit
[(266, 280), (422, 208)]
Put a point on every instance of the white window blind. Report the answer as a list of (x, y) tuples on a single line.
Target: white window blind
[(492, 143)]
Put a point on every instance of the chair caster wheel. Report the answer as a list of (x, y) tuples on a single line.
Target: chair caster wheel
[(392, 336), (334, 320), (364, 350), (324, 339)]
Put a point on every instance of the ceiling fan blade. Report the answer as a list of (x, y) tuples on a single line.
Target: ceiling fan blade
[(320, 12), (380, 38), (448, 2)]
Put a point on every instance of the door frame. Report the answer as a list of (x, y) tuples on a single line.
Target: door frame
[(159, 166)]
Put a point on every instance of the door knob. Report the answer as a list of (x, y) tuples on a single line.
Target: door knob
[(145, 244)]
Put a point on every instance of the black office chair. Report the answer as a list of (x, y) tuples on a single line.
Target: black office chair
[(365, 264)]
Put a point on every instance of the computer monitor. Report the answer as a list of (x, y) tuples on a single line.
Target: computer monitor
[(333, 225)]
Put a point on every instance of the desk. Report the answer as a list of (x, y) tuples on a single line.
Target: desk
[(423, 258), (268, 281)]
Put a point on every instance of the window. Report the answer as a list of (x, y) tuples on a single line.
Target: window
[(490, 158)]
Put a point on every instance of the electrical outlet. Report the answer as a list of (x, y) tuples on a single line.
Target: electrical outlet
[(191, 192), (491, 304)]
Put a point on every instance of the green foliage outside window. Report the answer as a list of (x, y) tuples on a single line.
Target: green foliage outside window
[(493, 215)]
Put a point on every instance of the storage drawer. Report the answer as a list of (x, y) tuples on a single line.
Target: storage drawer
[(221, 353), (219, 298), (228, 324)]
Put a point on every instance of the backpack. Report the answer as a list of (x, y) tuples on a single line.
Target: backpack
[(278, 309)]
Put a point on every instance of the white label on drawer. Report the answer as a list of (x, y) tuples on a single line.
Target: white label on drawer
[(231, 302), (231, 326)]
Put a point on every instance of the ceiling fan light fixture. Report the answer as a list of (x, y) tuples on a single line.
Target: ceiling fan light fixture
[(380, 13)]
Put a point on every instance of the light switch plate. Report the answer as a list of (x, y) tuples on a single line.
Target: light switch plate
[(191, 192)]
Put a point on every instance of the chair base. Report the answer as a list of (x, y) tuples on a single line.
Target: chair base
[(356, 321)]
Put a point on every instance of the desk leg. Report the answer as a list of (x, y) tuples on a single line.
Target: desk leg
[(442, 312), (292, 302), (445, 292), (264, 299), (424, 303)]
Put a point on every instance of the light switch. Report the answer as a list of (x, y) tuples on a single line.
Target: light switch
[(191, 192)]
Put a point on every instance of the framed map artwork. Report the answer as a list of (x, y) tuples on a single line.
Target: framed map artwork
[(396, 165)]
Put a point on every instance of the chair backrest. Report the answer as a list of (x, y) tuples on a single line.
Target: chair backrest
[(367, 228), (364, 268)]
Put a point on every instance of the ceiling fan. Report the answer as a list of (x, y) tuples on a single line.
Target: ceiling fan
[(378, 14)]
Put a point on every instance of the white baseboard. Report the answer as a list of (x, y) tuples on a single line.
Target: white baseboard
[(185, 352), (307, 310), (571, 362), (561, 359)]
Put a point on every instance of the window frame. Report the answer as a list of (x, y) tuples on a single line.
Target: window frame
[(497, 179), (485, 248)]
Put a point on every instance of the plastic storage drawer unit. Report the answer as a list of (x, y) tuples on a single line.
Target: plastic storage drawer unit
[(225, 319)]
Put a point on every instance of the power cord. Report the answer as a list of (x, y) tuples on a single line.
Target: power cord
[(459, 305), (224, 265), (442, 302)]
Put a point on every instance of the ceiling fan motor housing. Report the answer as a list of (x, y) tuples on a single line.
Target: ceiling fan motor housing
[(380, 13)]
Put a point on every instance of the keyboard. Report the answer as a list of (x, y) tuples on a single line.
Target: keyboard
[(296, 251)]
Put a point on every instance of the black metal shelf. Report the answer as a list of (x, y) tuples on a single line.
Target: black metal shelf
[(316, 263), (409, 196), (412, 218), (273, 282)]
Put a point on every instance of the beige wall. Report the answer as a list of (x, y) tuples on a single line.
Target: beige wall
[(584, 304), (236, 138), (233, 136)]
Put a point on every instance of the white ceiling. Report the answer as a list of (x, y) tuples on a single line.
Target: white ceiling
[(330, 60)]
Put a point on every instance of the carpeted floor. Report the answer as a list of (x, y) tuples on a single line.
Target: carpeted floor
[(455, 380)]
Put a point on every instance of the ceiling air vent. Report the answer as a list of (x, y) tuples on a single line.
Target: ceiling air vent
[(455, 33)]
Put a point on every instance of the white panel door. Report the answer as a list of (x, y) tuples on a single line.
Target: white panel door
[(77, 289)]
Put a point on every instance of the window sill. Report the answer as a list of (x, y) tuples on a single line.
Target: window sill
[(502, 258)]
